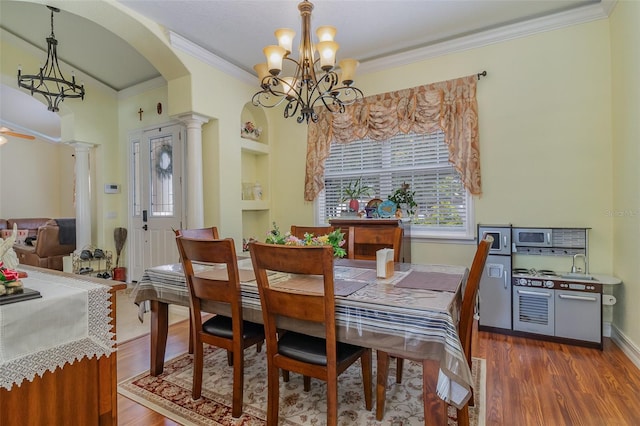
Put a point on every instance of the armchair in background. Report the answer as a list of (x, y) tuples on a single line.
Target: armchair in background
[(54, 240)]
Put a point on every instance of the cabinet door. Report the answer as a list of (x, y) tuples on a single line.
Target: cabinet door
[(579, 315), (495, 293)]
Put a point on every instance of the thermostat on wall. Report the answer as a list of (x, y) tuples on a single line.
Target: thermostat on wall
[(111, 188)]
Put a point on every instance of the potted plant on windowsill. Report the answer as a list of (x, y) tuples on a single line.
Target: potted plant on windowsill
[(404, 199), (353, 192)]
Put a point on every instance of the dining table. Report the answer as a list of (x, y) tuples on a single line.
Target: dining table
[(412, 314)]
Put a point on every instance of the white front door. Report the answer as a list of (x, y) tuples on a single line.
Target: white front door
[(156, 201)]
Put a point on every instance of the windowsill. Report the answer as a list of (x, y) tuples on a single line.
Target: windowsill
[(419, 234), (443, 240)]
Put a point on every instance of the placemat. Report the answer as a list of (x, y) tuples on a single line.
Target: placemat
[(245, 275), (438, 281), (315, 284)]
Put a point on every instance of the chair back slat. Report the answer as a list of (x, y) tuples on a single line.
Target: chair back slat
[(364, 241), (299, 231), (210, 233)]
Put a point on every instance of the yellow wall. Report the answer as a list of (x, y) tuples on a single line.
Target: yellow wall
[(36, 179), (625, 33), (545, 135)]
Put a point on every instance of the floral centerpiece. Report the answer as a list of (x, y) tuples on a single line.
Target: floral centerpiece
[(9, 282), (249, 130), (335, 239)]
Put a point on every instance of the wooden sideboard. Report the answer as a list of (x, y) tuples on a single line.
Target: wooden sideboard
[(405, 252), (82, 393)]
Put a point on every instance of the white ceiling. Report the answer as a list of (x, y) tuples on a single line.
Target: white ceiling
[(237, 30)]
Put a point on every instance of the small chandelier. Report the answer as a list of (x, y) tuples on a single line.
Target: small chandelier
[(302, 89), (50, 82)]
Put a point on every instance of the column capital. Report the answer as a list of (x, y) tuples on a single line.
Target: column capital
[(80, 146), (192, 119)]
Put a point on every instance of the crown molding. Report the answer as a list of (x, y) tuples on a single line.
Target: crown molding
[(18, 128), (518, 30), (556, 21), (187, 46)]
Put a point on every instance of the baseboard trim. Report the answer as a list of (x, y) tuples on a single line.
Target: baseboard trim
[(626, 345)]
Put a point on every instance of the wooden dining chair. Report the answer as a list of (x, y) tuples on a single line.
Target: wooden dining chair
[(465, 326), (364, 241), (210, 233), (299, 231), (321, 358), (230, 333)]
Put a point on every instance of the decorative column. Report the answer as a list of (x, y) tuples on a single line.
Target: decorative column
[(194, 186), (83, 194)]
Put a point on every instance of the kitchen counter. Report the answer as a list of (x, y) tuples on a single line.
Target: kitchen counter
[(607, 279), (576, 277), (599, 278)]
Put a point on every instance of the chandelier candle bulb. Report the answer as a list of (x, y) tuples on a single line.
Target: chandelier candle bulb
[(327, 50), (348, 67), (274, 55), (326, 33), (262, 70), (289, 86), (285, 38)]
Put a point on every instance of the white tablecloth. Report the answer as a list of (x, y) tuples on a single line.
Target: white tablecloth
[(69, 322)]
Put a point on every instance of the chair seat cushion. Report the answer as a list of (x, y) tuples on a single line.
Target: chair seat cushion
[(312, 349), (221, 326)]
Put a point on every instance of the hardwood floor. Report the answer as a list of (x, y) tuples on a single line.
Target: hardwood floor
[(133, 358), (529, 382)]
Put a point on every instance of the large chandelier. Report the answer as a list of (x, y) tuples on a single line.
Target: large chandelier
[(50, 82), (308, 82)]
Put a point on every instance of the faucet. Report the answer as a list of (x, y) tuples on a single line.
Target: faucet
[(575, 269)]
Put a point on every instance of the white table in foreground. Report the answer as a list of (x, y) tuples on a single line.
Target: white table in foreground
[(57, 353)]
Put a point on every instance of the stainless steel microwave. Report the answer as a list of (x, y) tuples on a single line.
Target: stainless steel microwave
[(532, 237)]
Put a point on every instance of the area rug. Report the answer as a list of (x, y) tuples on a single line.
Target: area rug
[(170, 395), (128, 325)]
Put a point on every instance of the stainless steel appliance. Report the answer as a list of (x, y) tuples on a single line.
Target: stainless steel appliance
[(547, 304), (533, 237), (495, 284)]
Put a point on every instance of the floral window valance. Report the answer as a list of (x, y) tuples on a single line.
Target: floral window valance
[(450, 106)]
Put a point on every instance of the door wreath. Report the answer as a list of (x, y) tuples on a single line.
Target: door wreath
[(164, 161)]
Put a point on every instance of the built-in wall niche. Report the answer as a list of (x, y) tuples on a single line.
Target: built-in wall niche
[(254, 189), (253, 124)]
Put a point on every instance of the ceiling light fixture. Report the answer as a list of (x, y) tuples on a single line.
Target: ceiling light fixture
[(301, 89), (50, 82)]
